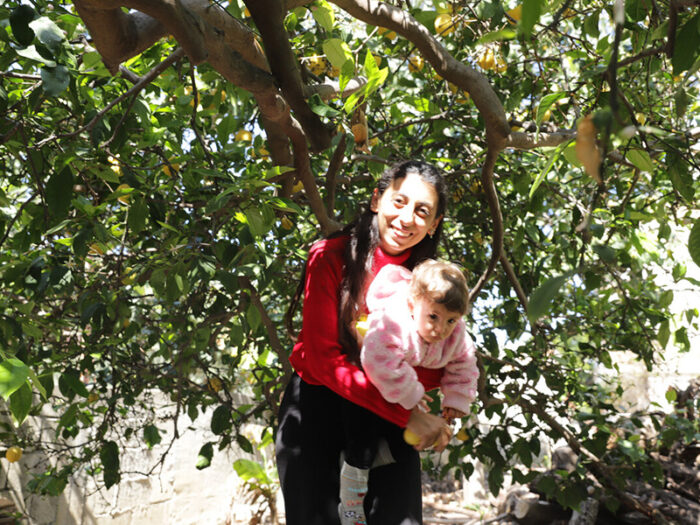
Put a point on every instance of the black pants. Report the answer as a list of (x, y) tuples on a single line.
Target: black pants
[(310, 439)]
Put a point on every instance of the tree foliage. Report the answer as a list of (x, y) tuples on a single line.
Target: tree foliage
[(167, 164)]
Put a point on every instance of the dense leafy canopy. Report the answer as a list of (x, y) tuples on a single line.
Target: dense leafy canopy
[(154, 219)]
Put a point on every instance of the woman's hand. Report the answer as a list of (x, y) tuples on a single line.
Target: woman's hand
[(433, 431)]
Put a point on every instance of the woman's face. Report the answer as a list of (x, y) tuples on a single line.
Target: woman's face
[(406, 213)]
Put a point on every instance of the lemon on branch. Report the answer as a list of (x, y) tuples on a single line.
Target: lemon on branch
[(13, 454)]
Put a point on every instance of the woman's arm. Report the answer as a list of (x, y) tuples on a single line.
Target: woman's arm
[(319, 358)]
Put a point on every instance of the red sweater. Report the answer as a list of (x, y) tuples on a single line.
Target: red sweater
[(317, 355)]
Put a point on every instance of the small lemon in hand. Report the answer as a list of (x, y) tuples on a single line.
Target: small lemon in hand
[(411, 437)]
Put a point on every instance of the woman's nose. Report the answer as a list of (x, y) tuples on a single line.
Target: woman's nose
[(406, 215)]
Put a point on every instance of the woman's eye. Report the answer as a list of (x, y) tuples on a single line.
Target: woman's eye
[(423, 212)]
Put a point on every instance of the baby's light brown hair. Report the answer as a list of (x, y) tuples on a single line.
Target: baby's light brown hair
[(442, 282)]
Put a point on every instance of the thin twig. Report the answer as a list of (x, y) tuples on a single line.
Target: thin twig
[(145, 80)]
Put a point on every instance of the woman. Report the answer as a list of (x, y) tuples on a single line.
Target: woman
[(402, 225)]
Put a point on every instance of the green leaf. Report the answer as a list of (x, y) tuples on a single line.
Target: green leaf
[(337, 52), (151, 435), (497, 36), (109, 456), (220, 420), (55, 79), (20, 18), (255, 222), (590, 24), (71, 379), (250, 470), (137, 215), (605, 252), (545, 103), (694, 242), (253, 317), (205, 455), (687, 48), (553, 157), (13, 374), (21, 402), (641, 160), (322, 109), (59, 192), (322, 12), (680, 176), (532, 9), (48, 33), (671, 395), (542, 297), (31, 53)]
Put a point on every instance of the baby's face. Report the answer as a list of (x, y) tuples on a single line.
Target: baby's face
[(434, 322)]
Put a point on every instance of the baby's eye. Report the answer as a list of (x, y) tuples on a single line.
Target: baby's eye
[(433, 317), (452, 321)]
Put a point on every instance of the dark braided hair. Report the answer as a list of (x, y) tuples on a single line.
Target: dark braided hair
[(364, 239)]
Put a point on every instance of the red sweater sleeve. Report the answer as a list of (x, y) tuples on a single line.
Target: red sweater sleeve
[(317, 356)]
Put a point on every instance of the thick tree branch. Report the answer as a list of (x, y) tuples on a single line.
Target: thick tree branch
[(269, 17), (332, 172), (514, 281), (119, 36), (496, 217)]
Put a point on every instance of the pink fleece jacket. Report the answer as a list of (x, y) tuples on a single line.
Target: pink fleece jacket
[(392, 348)]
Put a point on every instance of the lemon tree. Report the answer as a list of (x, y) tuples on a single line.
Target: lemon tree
[(165, 171)]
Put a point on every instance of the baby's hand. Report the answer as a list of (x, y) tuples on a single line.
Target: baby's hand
[(450, 414), (423, 404)]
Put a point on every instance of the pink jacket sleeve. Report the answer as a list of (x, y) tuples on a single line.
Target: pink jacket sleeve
[(459, 382)]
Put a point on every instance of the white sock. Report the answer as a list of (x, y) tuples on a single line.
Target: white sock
[(353, 487)]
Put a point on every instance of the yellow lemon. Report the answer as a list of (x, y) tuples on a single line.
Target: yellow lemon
[(128, 277), (444, 24), (243, 135), (411, 437), (501, 65), (487, 60), (286, 223), (317, 64), (462, 434), (13, 454), (516, 14), (415, 63), (361, 326), (383, 31), (215, 384)]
